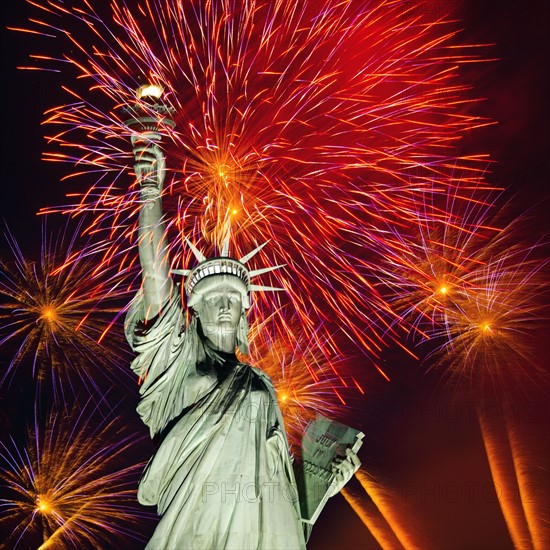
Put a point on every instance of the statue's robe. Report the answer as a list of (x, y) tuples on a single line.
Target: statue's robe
[(222, 476)]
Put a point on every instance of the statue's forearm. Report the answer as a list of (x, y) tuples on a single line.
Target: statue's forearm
[(153, 256)]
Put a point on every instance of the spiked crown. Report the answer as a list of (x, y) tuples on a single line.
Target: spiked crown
[(224, 265)]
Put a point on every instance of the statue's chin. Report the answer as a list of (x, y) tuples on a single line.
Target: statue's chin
[(224, 340)]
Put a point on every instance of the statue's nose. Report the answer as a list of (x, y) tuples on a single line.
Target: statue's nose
[(225, 302)]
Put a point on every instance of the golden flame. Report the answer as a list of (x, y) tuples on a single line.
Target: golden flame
[(150, 90)]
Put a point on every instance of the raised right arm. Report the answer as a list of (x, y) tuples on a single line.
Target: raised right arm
[(150, 168)]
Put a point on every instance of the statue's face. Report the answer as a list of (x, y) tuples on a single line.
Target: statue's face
[(219, 313)]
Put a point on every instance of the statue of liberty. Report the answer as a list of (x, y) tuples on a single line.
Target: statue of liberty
[(222, 477)]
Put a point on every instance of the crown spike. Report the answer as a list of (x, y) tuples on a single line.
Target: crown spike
[(226, 266), (245, 259), (200, 257), (256, 272), (225, 248), (261, 287)]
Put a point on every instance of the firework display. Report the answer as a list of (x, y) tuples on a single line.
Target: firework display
[(269, 142), (55, 314), (338, 132), (72, 484), (464, 290)]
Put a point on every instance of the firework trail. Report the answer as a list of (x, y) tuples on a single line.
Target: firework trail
[(55, 310), (314, 124), (471, 291), (386, 504), (370, 516), (497, 447), (69, 486), (532, 477)]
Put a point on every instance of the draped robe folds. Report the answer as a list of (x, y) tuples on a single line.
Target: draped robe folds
[(222, 476)]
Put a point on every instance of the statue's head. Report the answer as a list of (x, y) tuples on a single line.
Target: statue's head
[(218, 291), (218, 302)]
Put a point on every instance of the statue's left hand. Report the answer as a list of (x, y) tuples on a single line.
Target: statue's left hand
[(343, 469)]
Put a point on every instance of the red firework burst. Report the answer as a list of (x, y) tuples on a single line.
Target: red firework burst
[(313, 125)]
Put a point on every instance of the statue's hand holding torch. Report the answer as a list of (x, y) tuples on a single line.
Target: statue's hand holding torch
[(150, 118), (150, 165)]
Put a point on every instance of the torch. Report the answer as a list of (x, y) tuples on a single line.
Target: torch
[(149, 116)]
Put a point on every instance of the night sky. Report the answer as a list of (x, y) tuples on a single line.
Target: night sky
[(422, 436)]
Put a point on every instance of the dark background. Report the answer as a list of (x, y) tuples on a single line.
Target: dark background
[(422, 439)]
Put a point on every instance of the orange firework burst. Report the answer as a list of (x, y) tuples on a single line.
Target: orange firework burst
[(315, 123), (70, 485), (54, 313), (464, 290), (428, 271), (304, 382), (491, 333), (497, 448)]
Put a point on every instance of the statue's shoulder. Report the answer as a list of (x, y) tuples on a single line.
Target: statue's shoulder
[(261, 375)]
